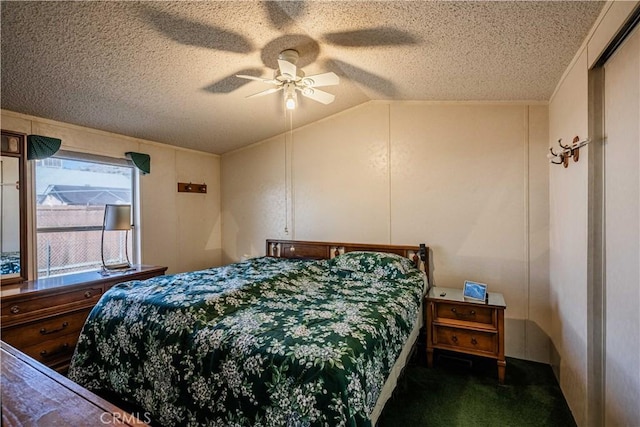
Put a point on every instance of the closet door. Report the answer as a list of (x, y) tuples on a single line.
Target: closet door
[(622, 234)]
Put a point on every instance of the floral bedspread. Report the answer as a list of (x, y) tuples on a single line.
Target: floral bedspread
[(266, 342), (9, 262)]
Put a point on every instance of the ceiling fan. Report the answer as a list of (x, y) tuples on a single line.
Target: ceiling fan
[(292, 79)]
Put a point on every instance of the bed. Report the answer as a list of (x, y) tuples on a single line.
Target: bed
[(9, 262), (314, 333)]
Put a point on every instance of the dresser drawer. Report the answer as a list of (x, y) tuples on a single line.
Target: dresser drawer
[(29, 334), (35, 305), (55, 351), (467, 313), (464, 339)]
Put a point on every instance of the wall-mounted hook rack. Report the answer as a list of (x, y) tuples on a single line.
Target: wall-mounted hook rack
[(568, 151), (184, 187)]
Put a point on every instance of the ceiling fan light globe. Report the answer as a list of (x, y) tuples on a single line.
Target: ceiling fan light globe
[(290, 103)]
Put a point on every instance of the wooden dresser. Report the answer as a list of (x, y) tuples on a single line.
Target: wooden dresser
[(34, 395), (465, 326), (43, 318)]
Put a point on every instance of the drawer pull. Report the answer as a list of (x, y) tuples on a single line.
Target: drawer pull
[(88, 294), (44, 331), (61, 350), (454, 338), (15, 309), (474, 341), (470, 313), (292, 249)]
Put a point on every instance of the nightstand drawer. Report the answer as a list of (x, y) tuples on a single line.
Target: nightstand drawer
[(34, 305), (29, 334), (466, 339), (55, 351), (467, 313)]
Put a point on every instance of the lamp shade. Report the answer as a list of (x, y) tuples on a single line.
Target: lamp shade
[(117, 217)]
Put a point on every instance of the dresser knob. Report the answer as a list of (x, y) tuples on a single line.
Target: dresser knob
[(474, 341), (292, 249), (473, 312), (454, 339), (88, 294), (454, 310), (15, 309)]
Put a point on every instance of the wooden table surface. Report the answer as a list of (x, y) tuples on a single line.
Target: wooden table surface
[(34, 395)]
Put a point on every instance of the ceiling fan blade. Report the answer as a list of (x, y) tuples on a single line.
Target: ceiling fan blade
[(266, 92), (318, 95), (231, 82), (258, 79), (324, 79), (287, 69)]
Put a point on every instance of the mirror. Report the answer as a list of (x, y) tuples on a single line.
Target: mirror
[(13, 232)]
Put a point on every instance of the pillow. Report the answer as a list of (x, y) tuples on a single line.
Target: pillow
[(381, 264)]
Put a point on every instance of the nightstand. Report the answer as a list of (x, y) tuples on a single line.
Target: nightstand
[(462, 325)]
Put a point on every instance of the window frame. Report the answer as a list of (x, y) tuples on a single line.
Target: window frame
[(135, 203)]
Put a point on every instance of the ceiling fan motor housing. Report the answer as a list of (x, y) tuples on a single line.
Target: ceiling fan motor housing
[(289, 55), (285, 78)]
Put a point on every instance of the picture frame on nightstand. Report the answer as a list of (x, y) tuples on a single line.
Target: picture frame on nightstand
[(475, 291)]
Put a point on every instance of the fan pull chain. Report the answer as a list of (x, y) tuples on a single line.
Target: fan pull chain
[(293, 214), (286, 181)]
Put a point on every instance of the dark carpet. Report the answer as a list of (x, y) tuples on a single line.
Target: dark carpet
[(465, 392)]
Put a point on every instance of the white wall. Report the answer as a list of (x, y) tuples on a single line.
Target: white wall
[(254, 192), (622, 234), (179, 230), (568, 193), (575, 333), (468, 179)]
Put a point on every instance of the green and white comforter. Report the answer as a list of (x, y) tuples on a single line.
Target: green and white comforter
[(266, 342)]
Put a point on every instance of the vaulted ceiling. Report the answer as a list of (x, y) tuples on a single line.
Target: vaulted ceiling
[(165, 71)]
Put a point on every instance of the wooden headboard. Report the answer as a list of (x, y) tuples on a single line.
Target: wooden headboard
[(327, 250)]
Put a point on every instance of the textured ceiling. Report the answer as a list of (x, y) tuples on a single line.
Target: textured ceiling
[(164, 71)]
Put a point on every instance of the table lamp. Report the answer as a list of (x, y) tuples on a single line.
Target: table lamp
[(116, 217)]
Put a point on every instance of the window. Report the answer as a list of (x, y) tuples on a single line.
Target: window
[(71, 192)]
